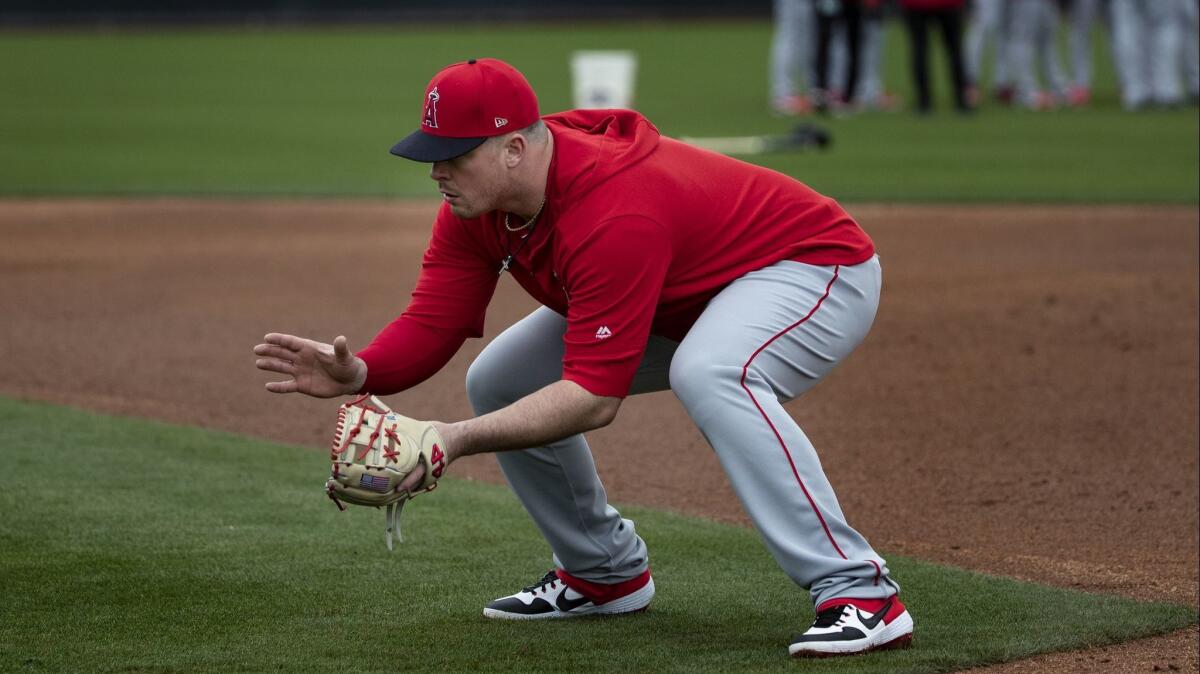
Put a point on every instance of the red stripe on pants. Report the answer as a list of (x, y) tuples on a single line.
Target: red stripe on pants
[(782, 444)]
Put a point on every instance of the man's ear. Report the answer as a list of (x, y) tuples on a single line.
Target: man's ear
[(515, 147)]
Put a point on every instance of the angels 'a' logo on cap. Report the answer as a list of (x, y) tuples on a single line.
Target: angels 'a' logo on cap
[(431, 109)]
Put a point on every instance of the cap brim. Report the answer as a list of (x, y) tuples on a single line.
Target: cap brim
[(420, 146)]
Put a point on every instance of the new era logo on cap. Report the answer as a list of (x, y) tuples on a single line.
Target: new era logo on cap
[(464, 105)]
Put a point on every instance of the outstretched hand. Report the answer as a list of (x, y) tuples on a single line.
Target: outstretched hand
[(314, 368)]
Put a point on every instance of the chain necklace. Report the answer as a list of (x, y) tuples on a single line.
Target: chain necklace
[(529, 222), (529, 225)]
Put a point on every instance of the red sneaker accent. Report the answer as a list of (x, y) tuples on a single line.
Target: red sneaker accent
[(600, 593), (793, 105), (871, 605)]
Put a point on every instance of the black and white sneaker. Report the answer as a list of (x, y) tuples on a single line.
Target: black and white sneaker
[(551, 597), (851, 626)]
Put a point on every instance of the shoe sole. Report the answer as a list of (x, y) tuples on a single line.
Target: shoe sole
[(895, 636), (634, 602)]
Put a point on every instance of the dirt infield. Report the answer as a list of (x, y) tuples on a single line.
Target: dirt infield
[(1026, 404)]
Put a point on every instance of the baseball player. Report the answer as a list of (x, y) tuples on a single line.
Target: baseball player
[(792, 46), (658, 265), (1081, 16), (989, 22), (871, 94), (1146, 48), (947, 15), (1189, 11), (1034, 28)]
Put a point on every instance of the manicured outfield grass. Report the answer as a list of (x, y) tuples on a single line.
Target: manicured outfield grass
[(133, 546), (312, 112)]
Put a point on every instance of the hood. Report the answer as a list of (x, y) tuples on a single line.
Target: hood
[(593, 145)]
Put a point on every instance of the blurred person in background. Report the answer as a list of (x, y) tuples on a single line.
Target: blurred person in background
[(792, 50), (1081, 17), (1146, 46), (989, 23), (1189, 11), (947, 14), (872, 94), (1034, 30), (834, 15)]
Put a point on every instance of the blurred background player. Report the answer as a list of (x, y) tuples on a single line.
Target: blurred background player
[(1189, 11), (1146, 46), (792, 51), (947, 14), (1034, 30), (1081, 18), (989, 23), (833, 16), (871, 92)]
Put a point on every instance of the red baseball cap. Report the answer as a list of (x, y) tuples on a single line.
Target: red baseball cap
[(464, 105)]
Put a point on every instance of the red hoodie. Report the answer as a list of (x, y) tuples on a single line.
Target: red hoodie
[(638, 232)]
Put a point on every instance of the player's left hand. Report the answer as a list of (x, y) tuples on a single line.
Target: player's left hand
[(417, 476)]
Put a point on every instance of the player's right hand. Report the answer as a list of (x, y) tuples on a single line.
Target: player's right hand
[(314, 368)]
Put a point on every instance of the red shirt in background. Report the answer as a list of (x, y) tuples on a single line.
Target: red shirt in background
[(638, 232)]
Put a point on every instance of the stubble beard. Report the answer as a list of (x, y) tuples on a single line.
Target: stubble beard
[(477, 206)]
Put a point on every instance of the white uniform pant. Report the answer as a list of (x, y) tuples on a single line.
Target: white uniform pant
[(1189, 10), (1146, 46), (792, 48), (1082, 18), (989, 22), (765, 339), (1034, 27)]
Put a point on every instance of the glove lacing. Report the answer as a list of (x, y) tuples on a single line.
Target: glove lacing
[(392, 520)]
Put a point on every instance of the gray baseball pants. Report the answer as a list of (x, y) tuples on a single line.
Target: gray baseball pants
[(1146, 44), (792, 48), (1190, 23), (766, 338), (1034, 27), (1079, 41), (989, 21)]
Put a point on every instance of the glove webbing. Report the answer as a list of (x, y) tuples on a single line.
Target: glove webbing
[(335, 452)]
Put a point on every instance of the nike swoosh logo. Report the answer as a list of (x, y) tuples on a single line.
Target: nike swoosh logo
[(872, 621), (567, 605)]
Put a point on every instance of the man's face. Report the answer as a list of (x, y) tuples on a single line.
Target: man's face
[(472, 183)]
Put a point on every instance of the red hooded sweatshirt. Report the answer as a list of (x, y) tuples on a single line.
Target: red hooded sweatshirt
[(638, 232)]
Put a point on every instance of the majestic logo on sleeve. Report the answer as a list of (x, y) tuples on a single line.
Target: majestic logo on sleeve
[(603, 332), (431, 109)]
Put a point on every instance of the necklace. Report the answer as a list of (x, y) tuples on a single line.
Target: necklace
[(529, 225), (529, 222)]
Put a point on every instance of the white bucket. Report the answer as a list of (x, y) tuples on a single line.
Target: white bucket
[(603, 79)]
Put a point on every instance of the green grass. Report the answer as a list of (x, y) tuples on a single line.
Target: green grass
[(132, 546), (312, 111)]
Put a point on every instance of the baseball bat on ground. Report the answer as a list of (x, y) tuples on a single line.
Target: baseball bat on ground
[(803, 137)]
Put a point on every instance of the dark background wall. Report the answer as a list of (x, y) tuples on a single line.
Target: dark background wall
[(15, 12)]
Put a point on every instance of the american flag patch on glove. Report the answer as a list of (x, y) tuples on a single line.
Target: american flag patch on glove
[(377, 483)]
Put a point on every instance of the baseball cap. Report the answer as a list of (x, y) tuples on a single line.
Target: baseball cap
[(465, 104)]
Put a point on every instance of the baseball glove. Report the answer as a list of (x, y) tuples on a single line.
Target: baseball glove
[(374, 449)]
